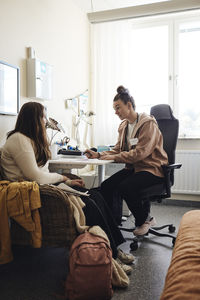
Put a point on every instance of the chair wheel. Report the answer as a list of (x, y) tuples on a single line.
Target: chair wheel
[(172, 228), (134, 245)]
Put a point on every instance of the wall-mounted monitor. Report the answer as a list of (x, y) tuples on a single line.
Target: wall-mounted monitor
[(9, 89)]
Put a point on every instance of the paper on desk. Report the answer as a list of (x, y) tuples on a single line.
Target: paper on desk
[(69, 189)]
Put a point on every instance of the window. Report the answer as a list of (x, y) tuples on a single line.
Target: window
[(188, 78), (157, 59), (150, 66)]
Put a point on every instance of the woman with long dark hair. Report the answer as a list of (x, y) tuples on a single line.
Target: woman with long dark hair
[(25, 156), (26, 151)]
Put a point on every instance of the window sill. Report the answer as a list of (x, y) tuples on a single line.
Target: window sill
[(188, 138)]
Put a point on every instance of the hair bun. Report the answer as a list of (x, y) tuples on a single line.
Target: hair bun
[(122, 90)]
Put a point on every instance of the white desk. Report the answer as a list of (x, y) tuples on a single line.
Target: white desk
[(65, 164)]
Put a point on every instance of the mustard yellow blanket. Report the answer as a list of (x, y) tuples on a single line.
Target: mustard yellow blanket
[(19, 200)]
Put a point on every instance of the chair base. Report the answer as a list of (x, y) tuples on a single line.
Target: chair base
[(154, 231)]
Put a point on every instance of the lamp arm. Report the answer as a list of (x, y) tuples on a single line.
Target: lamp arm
[(53, 135)]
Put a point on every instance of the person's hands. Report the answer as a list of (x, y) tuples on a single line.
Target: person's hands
[(73, 182), (65, 178), (77, 182), (91, 154)]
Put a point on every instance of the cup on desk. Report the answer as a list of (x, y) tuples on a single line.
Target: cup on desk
[(102, 148), (54, 151)]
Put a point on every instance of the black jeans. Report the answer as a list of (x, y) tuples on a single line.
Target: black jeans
[(128, 184), (98, 213)]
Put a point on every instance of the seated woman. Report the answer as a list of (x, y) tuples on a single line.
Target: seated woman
[(24, 157), (140, 147)]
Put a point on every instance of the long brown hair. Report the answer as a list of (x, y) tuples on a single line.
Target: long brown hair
[(30, 123)]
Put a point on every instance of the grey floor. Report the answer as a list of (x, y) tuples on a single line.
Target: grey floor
[(38, 274), (152, 258)]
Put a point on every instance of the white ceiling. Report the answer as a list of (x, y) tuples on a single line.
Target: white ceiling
[(98, 5)]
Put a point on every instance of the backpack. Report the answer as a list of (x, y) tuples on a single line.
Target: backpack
[(90, 269)]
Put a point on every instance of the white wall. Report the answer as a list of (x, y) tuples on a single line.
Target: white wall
[(59, 33), (188, 144)]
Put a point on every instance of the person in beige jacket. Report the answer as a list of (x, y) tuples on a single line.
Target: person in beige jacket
[(140, 147)]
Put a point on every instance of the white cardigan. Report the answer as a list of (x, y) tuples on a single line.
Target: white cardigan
[(19, 163)]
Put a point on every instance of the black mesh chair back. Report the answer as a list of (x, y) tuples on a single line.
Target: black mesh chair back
[(169, 126)]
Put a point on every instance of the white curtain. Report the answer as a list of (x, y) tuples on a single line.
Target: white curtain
[(136, 57), (111, 53)]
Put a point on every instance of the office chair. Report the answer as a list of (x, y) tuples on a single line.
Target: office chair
[(169, 126)]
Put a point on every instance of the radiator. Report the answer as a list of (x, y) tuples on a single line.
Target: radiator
[(187, 178)]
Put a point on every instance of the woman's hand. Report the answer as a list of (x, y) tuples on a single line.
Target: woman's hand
[(73, 182), (77, 182), (91, 154)]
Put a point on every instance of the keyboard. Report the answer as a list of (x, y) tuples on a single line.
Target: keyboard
[(70, 152)]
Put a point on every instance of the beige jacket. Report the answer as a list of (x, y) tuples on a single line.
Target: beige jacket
[(148, 154)]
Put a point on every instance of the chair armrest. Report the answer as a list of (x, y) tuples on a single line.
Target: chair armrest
[(171, 167), (56, 217), (168, 169)]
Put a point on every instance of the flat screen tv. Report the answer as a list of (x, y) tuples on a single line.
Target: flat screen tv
[(9, 89)]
